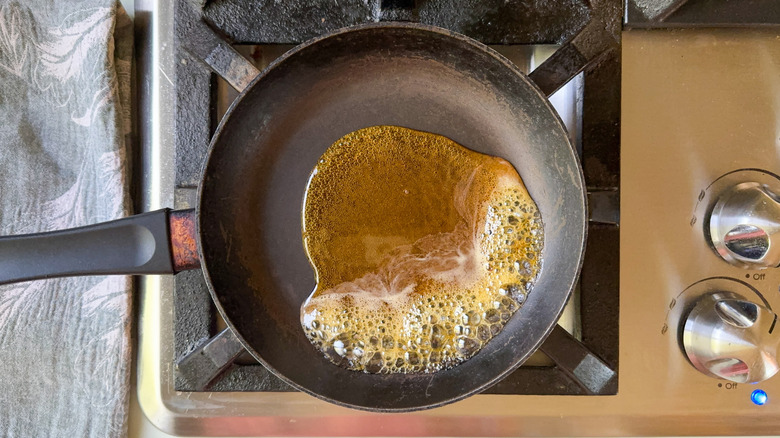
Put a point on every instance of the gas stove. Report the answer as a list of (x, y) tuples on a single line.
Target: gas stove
[(699, 117)]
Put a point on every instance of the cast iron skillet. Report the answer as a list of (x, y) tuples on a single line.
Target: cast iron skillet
[(249, 214)]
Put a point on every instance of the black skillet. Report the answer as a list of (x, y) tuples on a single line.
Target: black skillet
[(249, 214)]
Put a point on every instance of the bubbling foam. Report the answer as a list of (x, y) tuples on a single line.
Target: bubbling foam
[(426, 302)]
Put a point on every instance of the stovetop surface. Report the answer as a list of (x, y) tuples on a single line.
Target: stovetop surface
[(690, 100)]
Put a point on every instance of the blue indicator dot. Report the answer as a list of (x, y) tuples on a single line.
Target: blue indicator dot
[(758, 397)]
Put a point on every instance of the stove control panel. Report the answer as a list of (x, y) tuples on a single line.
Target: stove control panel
[(699, 218), (727, 328)]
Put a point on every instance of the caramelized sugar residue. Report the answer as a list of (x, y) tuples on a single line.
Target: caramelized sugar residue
[(423, 249)]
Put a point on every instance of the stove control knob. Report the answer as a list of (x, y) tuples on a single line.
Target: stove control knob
[(745, 226), (728, 337)]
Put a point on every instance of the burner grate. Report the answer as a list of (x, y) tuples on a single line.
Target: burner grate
[(592, 43)]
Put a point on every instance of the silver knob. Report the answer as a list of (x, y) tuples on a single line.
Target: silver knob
[(745, 226), (728, 337)]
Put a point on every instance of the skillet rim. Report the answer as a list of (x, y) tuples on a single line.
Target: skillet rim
[(583, 231)]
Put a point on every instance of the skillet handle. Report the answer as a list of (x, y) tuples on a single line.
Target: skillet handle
[(138, 244)]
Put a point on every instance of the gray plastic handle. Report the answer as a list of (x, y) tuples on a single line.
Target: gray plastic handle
[(134, 245)]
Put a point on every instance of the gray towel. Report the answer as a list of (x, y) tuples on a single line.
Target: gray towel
[(65, 119)]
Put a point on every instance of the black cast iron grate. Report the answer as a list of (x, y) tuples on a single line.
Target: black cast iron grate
[(590, 34)]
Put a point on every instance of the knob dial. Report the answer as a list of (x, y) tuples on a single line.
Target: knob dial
[(744, 226), (728, 337)]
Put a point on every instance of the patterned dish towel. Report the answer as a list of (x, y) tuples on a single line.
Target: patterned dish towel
[(65, 350)]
